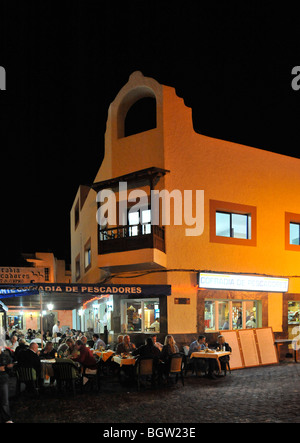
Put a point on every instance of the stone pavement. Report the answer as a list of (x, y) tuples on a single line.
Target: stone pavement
[(268, 394)]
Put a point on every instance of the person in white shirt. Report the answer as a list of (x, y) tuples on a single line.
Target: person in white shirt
[(56, 328), (98, 342), (156, 343), (13, 343)]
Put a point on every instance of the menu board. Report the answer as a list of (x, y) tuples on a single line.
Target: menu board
[(249, 348), (232, 339), (267, 350)]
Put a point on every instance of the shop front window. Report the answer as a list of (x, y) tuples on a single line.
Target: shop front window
[(229, 315), (223, 307), (209, 316), (140, 316), (15, 321), (237, 315), (251, 314), (293, 317)]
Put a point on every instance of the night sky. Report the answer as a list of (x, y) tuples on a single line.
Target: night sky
[(66, 61)]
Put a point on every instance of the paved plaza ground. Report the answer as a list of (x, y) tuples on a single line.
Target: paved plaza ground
[(268, 394)]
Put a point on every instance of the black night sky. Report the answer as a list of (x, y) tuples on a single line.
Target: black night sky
[(66, 61)]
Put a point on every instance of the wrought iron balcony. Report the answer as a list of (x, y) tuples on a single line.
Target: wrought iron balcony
[(131, 237)]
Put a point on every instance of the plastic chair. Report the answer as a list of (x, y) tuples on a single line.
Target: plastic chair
[(27, 376), (65, 374), (176, 367), (144, 368)]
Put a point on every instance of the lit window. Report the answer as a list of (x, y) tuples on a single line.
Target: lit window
[(87, 255), (140, 315), (230, 315), (292, 231), (294, 234), (139, 222), (232, 223)]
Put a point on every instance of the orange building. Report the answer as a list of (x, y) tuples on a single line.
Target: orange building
[(240, 219), (43, 267)]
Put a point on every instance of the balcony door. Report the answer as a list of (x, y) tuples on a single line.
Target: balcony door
[(139, 222)]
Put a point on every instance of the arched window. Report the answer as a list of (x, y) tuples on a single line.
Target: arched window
[(141, 116)]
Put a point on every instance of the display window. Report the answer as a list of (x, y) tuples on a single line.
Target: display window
[(227, 314), (15, 321), (140, 315), (293, 317)]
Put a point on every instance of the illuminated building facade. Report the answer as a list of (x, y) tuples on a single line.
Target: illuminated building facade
[(245, 221)]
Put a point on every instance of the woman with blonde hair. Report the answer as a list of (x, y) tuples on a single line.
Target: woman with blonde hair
[(169, 348)]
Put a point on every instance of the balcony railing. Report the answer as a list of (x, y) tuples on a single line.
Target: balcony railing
[(131, 237)]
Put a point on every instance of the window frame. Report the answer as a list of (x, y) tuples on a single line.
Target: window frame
[(142, 301), (77, 267), (291, 217), (232, 208), (217, 301), (87, 247)]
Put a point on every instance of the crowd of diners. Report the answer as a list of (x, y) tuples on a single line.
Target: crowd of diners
[(28, 349)]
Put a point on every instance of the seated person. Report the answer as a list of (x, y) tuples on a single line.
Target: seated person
[(30, 359), (48, 351), (147, 350), (56, 337), (22, 347), (198, 345), (169, 348), (84, 339), (167, 351), (12, 343), (30, 335), (84, 356), (202, 364), (156, 343), (220, 344), (66, 348), (126, 346), (98, 343), (119, 341)]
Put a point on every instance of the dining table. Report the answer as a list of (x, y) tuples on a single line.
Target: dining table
[(210, 354), (103, 355), (47, 366), (123, 360)]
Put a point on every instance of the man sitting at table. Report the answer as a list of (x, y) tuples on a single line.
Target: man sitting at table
[(22, 347), (156, 343), (30, 359), (147, 350), (126, 346), (98, 342), (201, 364), (85, 357), (198, 345)]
